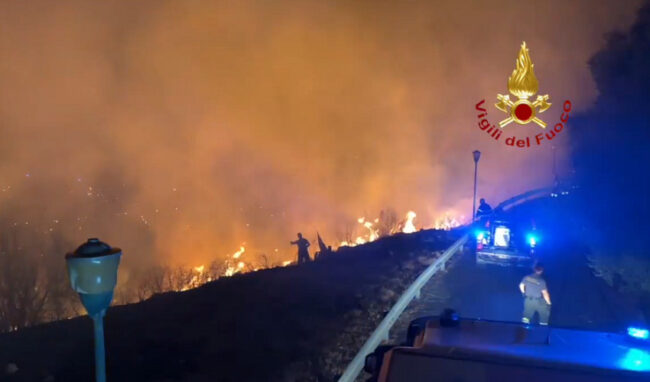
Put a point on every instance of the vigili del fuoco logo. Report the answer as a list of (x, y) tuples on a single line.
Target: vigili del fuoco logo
[(523, 85)]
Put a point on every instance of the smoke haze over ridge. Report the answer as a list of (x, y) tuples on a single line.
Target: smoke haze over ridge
[(178, 130)]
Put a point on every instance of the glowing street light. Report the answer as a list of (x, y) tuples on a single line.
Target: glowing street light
[(92, 269), (477, 156)]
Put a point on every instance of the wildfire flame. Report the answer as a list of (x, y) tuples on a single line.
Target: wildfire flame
[(237, 254), (409, 227), (373, 232), (232, 269), (522, 82), (447, 222), (196, 279), (200, 276)]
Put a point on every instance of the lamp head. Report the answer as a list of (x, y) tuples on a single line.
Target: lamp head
[(477, 155), (92, 269)]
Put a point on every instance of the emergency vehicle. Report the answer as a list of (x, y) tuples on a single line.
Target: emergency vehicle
[(502, 242), (449, 348)]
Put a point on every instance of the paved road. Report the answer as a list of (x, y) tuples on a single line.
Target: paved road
[(580, 300)]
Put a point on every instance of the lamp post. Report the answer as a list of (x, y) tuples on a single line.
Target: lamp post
[(477, 156), (92, 269)]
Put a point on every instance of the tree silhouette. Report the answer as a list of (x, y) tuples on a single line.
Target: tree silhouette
[(610, 141)]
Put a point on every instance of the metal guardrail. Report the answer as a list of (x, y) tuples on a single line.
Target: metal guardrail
[(382, 331)]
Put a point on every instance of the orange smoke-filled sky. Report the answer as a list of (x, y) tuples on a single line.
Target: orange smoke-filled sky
[(180, 129)]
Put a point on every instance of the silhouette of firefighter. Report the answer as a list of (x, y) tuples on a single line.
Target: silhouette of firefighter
[(536, 296), (484, 209), (303, 252)]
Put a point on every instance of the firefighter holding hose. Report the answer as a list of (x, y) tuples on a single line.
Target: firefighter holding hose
[(303, 252)]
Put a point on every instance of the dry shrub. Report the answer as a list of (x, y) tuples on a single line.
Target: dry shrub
[(34, 288), (628, 272)]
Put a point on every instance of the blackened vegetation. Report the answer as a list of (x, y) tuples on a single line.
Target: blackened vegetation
[(295, 323), (611, 141)]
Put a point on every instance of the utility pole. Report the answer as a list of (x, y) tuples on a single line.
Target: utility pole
[(477, 156)]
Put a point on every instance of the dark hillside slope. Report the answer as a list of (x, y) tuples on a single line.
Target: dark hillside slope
[(277, 324)]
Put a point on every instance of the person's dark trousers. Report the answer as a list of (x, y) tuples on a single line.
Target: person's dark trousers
[(532, 305)]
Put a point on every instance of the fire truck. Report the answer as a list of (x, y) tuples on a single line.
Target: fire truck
[(449, 348), (502, 242)]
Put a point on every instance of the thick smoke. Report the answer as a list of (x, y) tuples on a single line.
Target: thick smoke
[(180, 129)]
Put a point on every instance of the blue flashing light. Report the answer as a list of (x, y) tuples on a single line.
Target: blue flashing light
[(638, 333), (479, 235), (532, 240), (635, 360)]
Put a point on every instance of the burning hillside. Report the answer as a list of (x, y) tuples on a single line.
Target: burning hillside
[(291, 322), (201, 137), (178, 131), (181, 278)]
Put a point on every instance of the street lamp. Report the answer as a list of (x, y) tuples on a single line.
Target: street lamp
[(477, 156), (92, 269)]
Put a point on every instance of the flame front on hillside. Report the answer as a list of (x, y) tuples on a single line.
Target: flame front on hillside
[(406, 226), (448, 222), (233, 263)]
